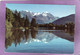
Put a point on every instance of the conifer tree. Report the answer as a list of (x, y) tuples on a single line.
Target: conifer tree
[(26, 23), (33, 22)]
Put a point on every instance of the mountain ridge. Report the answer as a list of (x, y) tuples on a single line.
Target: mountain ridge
[(64, 20), (42, 18)]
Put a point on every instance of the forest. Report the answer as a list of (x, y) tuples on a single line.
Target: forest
[(14, 20)]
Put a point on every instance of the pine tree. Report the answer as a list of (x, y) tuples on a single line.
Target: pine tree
[(33, 22), (26, 23), (9, 15)]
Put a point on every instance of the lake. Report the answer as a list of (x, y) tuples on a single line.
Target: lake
[(41, 41)]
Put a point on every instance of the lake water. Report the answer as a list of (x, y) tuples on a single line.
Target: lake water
[(41, 41)]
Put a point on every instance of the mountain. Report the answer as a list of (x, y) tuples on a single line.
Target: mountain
[(28, 13), (41, 18), (64, 20)]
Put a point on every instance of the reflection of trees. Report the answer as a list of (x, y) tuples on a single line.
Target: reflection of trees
[(63, 35), (71, 32), (33, 33), (16, 35), (26, 34), (8, 42), (8, 38)]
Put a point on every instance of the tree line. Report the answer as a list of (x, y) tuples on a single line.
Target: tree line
[(14, 19), (68, 26)]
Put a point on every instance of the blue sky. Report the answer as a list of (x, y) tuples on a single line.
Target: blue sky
[(56, 10)]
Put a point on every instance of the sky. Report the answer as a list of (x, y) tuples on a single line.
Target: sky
[(55, 10)]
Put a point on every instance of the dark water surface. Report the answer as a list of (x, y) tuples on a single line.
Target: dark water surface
[(41, 41)]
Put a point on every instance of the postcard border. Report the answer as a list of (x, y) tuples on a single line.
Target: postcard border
[(56, 2)]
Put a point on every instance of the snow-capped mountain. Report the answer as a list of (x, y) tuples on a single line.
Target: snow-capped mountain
[(41, 18)]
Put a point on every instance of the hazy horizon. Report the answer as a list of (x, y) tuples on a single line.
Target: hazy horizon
[(55, 10)]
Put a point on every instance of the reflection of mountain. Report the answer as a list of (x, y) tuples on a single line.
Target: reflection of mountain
[(64, 20), (18, 36), (41, 18), (64, 35), (44, 37)]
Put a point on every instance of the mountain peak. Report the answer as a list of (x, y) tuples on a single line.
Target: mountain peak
[(41, 18), (26, 10), (46, 12), (37, 13)]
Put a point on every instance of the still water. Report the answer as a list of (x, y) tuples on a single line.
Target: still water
[(41, 41)]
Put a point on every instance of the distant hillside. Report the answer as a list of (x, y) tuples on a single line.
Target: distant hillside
[(64, 20), (41, 18)]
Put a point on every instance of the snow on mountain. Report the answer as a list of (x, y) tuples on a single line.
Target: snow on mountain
[(41, 18), (36, 14)]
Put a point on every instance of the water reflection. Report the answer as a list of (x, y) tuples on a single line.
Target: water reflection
[(18, 36), (33, 33), (71, 32), (26, 32)]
